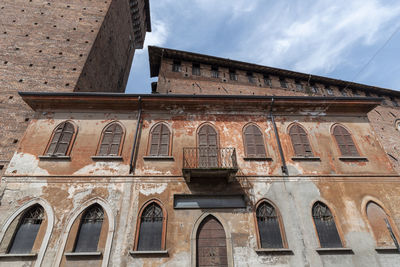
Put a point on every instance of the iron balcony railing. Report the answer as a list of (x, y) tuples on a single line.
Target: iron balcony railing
[(209, 158)]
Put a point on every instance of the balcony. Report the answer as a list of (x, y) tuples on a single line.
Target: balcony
[(209, 163)]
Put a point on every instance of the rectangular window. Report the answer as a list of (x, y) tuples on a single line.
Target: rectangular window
[(267, 80), (314, 88), (196, 69), (394, 102), (355, 92), (329, 90), (299, 86), (232, 75), (343, 92), (214, 72), (176, 66), (283, 82), (250, 77)]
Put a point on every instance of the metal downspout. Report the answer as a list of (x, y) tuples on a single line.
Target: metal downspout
[(283, 167), (133, 155)]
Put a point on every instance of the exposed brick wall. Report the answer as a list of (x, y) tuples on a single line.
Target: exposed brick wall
[(57, 46)]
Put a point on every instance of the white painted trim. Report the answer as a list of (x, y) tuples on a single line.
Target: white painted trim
[(75, 214), (229, 250), (50, 223)]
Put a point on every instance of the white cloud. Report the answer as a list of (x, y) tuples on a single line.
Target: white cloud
[(316, 36), (158, 36)]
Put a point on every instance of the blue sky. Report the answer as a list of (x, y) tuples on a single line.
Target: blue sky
[(322, 37)]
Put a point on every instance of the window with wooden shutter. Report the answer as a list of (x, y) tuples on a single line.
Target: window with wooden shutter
[(301, 145), (159, 143), (89, 230), (379, 221), (28, 227), (325, 226), (151, 227), (254, 142), (268, 226), (208, 147), (61, 140), (345, 141), (111, 140)]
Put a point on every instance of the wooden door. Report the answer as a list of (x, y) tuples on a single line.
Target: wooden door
[(211, 243), (208, 147)]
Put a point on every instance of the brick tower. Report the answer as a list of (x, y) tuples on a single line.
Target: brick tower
[(63, 46)]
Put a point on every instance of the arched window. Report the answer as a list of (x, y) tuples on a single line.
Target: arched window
[(300, 142), (89, 229), (151, 234), (325, 226), (268, 225), (27, 230), (344, 141), (111, 140), (254, 142), (61, 139), (160, 137), (380, 222), (208, 147)]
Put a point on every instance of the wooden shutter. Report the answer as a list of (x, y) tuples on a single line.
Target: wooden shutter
[(208, 147), (254, 142), (300, 142), (61, 139), (111, 141), (268, 226), (345, 142), (159, 144), (326, 227)]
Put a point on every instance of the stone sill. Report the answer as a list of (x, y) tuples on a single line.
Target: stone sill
[(156, 158), (106, 158), (22, 255), (258, 158), (349, 158), (274, 251), (61, 158), (149, 253), (333, 251), (306, 158), (387, 250), (80, 254)]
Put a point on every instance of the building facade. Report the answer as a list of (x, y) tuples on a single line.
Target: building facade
[(199, 180), (59, 46)]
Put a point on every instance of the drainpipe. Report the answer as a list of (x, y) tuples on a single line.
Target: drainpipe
[(283, 167), (133, 155)]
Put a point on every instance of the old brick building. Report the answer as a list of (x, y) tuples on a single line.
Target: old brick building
[(63, 46), (225, 164)]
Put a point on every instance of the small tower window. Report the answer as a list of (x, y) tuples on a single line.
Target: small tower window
[(214, 72), (196, 69), (283, 82), (176, 66), (250, 77), (267, 80), (232, 75)]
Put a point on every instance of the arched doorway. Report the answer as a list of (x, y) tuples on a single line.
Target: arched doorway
[(211, 243)]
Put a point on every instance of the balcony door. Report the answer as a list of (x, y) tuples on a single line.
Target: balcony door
[(208, 147)]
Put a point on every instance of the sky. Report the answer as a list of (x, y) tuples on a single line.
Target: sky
[(335, 39)]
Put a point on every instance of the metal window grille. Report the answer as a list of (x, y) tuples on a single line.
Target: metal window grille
[(326, 227), (254, 142), (300, 142), (214, 72), (268, 226), (159, 145), (151, 226), (233, 76), (176, 66), (27, 230), (89, 230), (61, 139), (345, 141), (283, 83), (251, 77), (111, 140), (196, 69)]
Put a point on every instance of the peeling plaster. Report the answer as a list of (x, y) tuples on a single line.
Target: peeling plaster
[(24, 163), (151, 189), (104, 168)]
